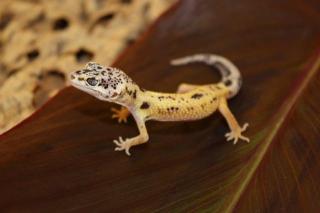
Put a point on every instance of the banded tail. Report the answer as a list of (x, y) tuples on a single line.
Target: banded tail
[(231, 76)]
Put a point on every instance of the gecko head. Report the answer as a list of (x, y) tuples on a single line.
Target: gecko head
[(105, 83)]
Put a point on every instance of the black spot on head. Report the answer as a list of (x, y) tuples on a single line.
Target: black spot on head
[(145, 105), (100, 68), (196, 96)]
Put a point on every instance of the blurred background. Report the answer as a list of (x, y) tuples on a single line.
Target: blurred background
[(42, 41)]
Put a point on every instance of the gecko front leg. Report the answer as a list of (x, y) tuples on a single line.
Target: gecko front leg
[(126, 144), (121, 114), (236, 131)]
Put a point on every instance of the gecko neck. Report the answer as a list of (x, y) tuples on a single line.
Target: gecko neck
[(129, 95)]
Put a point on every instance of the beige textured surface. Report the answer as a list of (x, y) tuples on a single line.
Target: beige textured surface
[(42, 41)]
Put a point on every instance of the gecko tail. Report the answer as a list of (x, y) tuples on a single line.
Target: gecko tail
[(231, 76)]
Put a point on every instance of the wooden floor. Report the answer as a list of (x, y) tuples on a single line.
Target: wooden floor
[(62, 159)]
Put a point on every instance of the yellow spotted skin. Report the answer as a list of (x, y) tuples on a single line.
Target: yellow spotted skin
[(190, 102), (192, 105)]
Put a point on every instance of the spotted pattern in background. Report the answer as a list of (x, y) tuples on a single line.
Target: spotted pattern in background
[(42, 41)]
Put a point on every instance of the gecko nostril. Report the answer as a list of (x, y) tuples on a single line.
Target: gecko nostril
[(72, 77)]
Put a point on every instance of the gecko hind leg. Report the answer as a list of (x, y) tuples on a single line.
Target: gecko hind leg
[(121, 114), (183, 88), (236, 130)]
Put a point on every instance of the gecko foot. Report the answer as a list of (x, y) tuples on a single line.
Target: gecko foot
[(120, 114), (235, 135), (122, 145)]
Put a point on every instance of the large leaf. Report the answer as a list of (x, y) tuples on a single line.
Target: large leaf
[(62, 158)]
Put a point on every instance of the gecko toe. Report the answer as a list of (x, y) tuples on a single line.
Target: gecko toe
[(244, 138), (127, 152), (245, 126)]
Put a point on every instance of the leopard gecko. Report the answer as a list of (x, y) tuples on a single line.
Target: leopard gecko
[(190, 102)]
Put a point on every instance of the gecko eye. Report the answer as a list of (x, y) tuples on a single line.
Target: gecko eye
[(92, 81)]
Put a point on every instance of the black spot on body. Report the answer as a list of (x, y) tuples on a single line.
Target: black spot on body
[(161, 97), (128, 91), (227, 82), (197, 96), (213, 100), (145, 105), (172, 109)]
